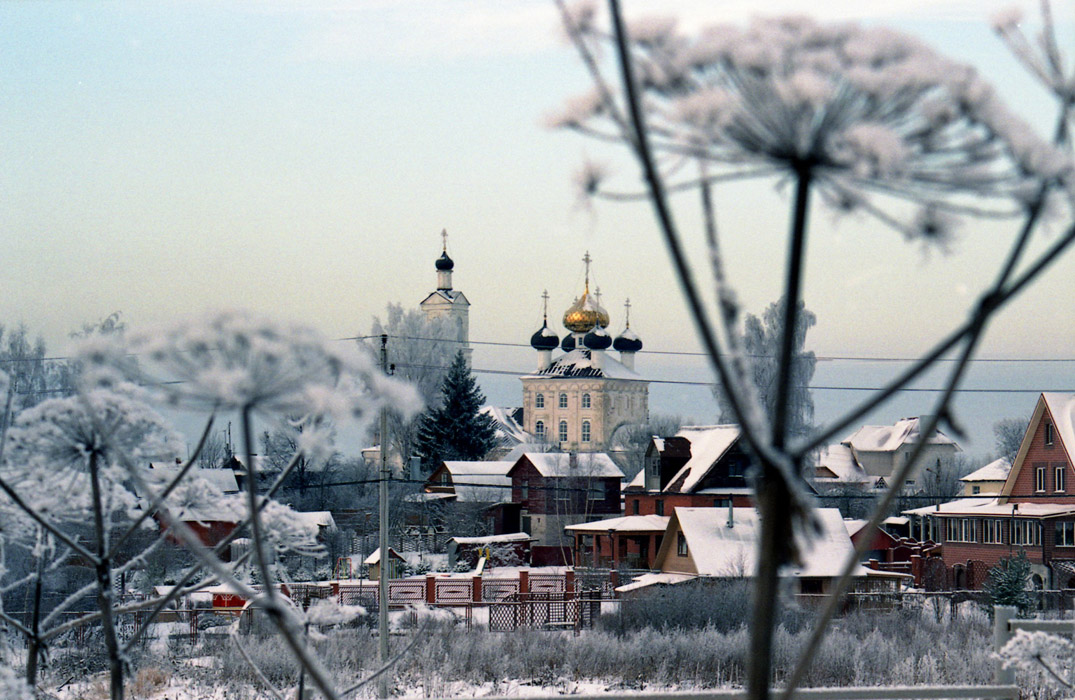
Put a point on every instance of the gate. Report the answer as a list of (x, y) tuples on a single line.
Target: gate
[(548, 611)]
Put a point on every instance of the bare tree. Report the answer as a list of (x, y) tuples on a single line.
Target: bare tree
[(630, 441), (1008, 436)]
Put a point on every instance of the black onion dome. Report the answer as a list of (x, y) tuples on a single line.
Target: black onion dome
[(444, 263), (597, 339), (628, 341), (568, 343), (544, 339)]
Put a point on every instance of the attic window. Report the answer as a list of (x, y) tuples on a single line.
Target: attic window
[(1049, 433), (681, 545)]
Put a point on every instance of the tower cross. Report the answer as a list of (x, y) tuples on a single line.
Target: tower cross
[(444, 235), (586, 259), (545, 305), (627, 311)]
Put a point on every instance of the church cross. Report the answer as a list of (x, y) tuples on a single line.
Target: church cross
[(545, 305), (586, 259), (444, 235), (627, 312)]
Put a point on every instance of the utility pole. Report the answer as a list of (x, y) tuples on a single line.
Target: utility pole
[(382, 587)]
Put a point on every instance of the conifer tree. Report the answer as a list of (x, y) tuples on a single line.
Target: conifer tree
[(456, 429), (1008, 582)]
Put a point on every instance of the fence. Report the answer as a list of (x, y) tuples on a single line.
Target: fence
[(544, 611)]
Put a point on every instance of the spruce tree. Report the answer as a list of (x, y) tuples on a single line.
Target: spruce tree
[(456, 429), (1008, 583)]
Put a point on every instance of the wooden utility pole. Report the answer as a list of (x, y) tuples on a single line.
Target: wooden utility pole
[(382, 588)]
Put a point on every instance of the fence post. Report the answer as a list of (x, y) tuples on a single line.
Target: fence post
[(524, 582), (569, 583), (431, 589), (475, 590), (1002, 615)]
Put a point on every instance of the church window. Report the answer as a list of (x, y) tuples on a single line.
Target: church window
[(563, 431), (539, 401), (539, 429), (585, 400), (563, 400), (585, 431)]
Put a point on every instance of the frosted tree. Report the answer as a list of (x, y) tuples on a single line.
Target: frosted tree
[(760, 344), (860, 119), (1008, 436), (421, 350), (82, 459)]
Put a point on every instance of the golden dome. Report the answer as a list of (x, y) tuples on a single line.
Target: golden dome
[(584, 314)]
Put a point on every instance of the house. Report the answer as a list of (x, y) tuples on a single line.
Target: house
[(721, 543), (987, 480), (835, 468), (509, 430), (395, 564), (1034, 511), (631, 541), (882, 449), (700, 466), (205, 501), (556, 489), (479, 491)]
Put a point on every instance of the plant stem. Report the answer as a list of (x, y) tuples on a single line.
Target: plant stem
[(104, 583)]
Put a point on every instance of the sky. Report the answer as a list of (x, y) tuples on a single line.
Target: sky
[(300, 159)]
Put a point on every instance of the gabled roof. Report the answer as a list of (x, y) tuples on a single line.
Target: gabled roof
[(997, 470), (221, 479), (709, 443), (375, 557), (559, 464), (1061, 408), (840, 461), (889, 438), (721, 551), (452, 296), (586, 363), (479, 482)]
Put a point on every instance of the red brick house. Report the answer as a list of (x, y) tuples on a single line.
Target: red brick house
[(700, 467), (557, 489), (1034, 512)]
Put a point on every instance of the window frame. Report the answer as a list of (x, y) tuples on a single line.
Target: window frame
[(1039, 480), (1050, 434), (993, 531), (1064, 533), (539, 429), (562, 400), (587, 402), (1058, 479), (681, 544), (539, 400), (585, 433), (561, 431)]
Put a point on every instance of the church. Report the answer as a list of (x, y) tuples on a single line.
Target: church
[(577, 400)]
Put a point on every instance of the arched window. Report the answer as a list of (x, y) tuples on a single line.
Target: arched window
[(539, 428), (563, 400), (585, 431), (563, 431), (539, 401), (585, 400)]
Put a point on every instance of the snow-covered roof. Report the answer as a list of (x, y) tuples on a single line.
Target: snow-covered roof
[(992, 507), (629, 523), (376, 556), (581, 362), (221, 479), (840, 460), (481, 482), (452, 296), (722, 551), (889, 438), (997, 470), (508, 431), (646, 580), (523, 448), (1062, 408), (638, 480), (320, 518), (586, 464), (708, 444), (493, 539)]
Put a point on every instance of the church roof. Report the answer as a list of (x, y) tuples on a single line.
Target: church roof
[(584, 363), (452, 296)]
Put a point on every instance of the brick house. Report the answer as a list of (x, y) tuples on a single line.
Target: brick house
[(1034, 512), (699, 467), (557, 489)]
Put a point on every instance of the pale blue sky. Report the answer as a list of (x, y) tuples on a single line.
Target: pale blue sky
[(301, 158)]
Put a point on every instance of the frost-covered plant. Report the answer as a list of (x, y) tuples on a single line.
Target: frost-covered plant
[(1043, 656), (865, 119)]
